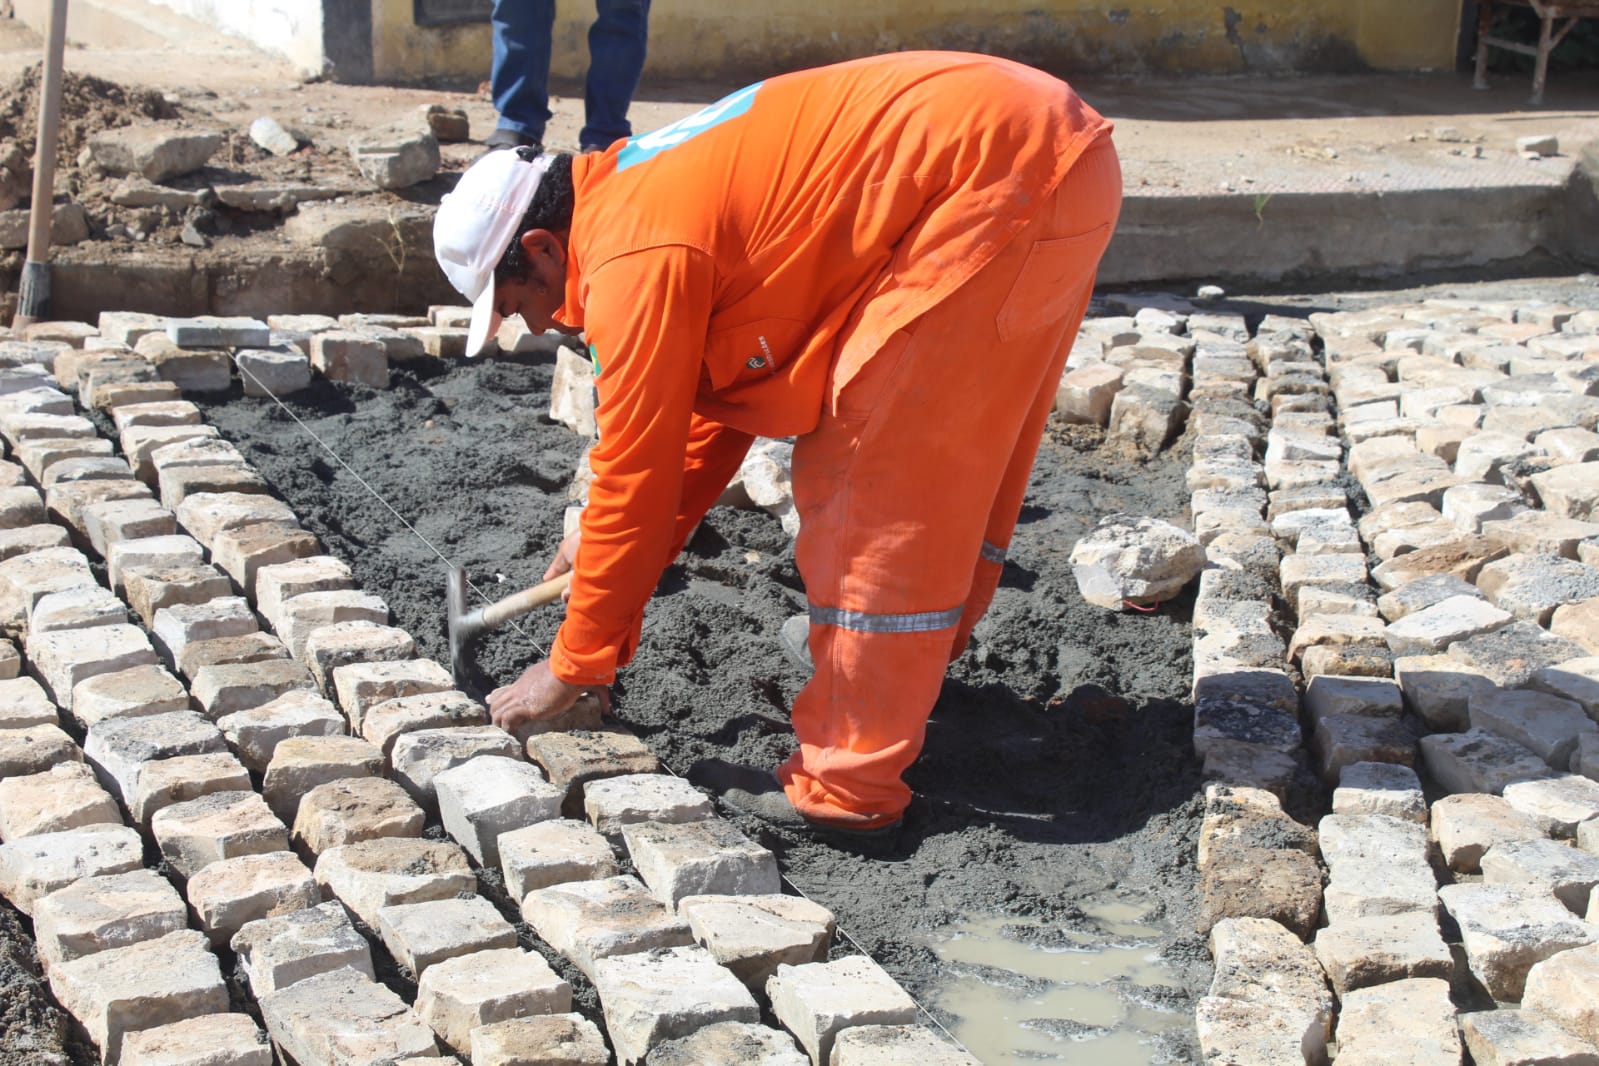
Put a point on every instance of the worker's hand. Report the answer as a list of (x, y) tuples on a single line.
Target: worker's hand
[(537, 694), (565, 559)]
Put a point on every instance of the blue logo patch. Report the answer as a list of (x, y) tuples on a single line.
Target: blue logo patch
[(647, 146)]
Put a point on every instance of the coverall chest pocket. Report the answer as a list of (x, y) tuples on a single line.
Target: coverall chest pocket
[(754, 351), (1051, 282)]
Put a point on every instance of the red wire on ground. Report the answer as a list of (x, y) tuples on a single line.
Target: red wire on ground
[(1146, 610)]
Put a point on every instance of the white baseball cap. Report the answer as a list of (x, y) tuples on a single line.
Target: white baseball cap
[(476, 223)]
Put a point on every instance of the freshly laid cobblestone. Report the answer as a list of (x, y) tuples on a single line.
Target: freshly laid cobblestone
[(753, 934), (227, 895), (652, 996), (702, 857), (817, 1001), (255, 734), (1507, 929), (554, 852), (101, 913), (419, 935), (35, 866), (487, 796), (64, 797), (185, 777), (301, 763), (352, 810), (458, 995), (550, 1040), (374, 874), (591, 920), (281, 950), (1466, 825), (208, 1040), (1562, 988), (1410, 1021), (369, 1024), (222, 825)]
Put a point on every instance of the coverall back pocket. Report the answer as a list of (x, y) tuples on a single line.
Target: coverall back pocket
[(1055, 277)]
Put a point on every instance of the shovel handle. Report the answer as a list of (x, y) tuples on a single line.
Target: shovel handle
[(514, 606)]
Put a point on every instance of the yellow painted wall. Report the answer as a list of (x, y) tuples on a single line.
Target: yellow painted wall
[(720, 40)]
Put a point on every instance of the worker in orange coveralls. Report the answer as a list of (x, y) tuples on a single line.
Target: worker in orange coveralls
[(887, 258)]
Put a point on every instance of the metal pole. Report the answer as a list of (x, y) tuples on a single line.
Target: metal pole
[(33, 295)]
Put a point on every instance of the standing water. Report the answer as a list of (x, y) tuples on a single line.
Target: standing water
[(1097, 993)]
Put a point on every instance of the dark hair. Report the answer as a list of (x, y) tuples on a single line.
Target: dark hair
[(551, 210)]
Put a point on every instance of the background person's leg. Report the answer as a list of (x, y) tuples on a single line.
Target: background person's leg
[(520, 78), (616, 58), (898, 487)]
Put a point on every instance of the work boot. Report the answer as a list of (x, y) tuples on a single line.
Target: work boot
[(504, 137), (759, 794), (795, 640)]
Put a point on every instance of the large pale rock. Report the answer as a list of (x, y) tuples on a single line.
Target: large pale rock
[(818, 1000), (1410, 1021), (1507, 929), (371, 1024), (1522, 1038), (587, 921), (698, 858), (100, 913), (1129, 559), (154, 151), (1465, 826), (35, 866), (374, 874), (397, 156), (283, 949), (1570, 874), (456, 996), (1564, 988)]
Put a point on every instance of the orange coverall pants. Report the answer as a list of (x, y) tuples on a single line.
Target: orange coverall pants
[(909, 490)]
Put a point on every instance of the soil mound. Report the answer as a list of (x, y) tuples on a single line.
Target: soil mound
[(89, 105)]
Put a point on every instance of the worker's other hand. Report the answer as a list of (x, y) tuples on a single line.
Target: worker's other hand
[(538, 694), (565, 559)]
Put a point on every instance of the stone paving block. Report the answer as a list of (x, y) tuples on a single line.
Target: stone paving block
[(1240, 1031), (259, 649), (1540, 531), (1380, 788), (1478, 761), (175, 627), (1483, 456), (385, 722), (1471, 505), (282, 949), (164, 782), (206, 515), (1544, 724), (1562, 988), (34, 749), (34, 866), (487, 796), (1372, 951), (1573, 445), (17, 426), (86, 468), (172, 412), (352, 810), (297, 618), (1532, 586), (419, 935), (1432, 629), (1507, 929), (1522, 1038), (1366, 696), (141, 986), (210, 331), (37, 456), (281, 582), (1337, 630), (192, 368), (120, 747), (374, 874), (254, 734), (241, 552), (461, 994), (554, 852), (179, 482), (342, 643), (301, 763), (892, 1045), (590, 920), (227, 895), (1343, 740), (209, 1040), (614, 802), (818, 1000), (1570, 491), (148, 590), (145, 553), (1423, 593), (1576, 680), (1579, 624), (417, 758), (1570, 874), (361, 686), (65, 501), (705, 857), (1258, 961), (349, 356), (221, 825), (26, 539), (76, 608), (1300, 571), (270, 372), (1460, 557), (1465, 826), (753, 934), (23, 703), (1085, 394), (102, 913), (62, 659), (1558, 803), (1410, 1021), (571, 761), (547, 1040), (372, 1024), (1511, 655), (223, 689), (24, 579), (1377, 866), (66, 796), (1439, 689)]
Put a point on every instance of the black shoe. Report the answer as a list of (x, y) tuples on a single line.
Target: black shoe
[(795, 640), (509, 138), (757, 793)]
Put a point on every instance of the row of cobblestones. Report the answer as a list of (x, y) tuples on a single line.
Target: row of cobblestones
[(1441, 621), (181, 788)]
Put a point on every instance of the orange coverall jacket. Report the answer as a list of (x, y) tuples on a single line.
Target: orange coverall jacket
[(713, 264)]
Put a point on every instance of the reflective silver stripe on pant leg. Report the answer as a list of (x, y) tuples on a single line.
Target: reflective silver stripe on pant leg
[(862, 622), (993, 554)]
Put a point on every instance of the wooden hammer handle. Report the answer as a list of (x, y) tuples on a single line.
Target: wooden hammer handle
[(514, 606)]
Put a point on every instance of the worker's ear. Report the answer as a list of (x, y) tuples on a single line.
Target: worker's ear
[(542, 247)]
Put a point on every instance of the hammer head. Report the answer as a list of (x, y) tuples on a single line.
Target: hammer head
[(462, 627)]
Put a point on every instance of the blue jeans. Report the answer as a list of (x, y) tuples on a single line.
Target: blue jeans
[(521, 76)]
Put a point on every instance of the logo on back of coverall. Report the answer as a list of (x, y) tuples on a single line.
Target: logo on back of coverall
[(647, 146)]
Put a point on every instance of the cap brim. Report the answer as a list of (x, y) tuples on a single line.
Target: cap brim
[(485, 321)]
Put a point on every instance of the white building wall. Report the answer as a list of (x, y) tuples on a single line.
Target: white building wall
[(289, 28)]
